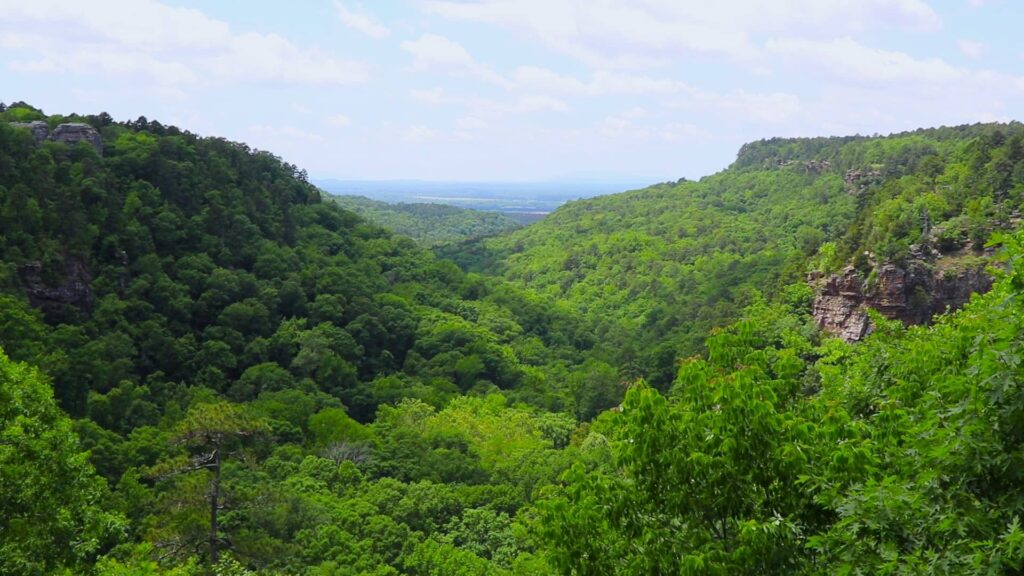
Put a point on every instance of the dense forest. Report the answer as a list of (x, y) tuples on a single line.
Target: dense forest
[(210, 368), (429, 224), (655, 270)]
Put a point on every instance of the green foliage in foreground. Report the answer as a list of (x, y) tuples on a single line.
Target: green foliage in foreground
[(899, 456), (51, 517), (429, 224)]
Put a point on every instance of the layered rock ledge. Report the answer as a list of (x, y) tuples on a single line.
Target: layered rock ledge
[(912, 294)]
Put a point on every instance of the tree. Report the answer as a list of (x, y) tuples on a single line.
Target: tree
[(707, 485), (209, 430), (50, 518)]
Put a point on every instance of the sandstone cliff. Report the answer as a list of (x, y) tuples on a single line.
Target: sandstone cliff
[(912, 294)]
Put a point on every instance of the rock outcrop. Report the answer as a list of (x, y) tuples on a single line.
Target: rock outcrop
[(912, 295), (74, 287), (857, 181), (806, 166), (68, 133), (839, 305), (40, 131), (74, 132)]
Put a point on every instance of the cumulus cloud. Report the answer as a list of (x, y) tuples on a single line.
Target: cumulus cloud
[(434, 52), (361, 21), (163, 44), (621, 33), (848, 58)]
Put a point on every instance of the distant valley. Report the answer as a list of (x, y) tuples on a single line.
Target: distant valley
[(524, 202), (428, 223)]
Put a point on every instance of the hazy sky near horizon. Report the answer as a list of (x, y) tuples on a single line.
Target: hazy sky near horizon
[(641, 90)]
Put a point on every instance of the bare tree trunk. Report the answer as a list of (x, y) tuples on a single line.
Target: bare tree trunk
[(214, 504)]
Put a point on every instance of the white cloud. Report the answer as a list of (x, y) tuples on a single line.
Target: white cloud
[(622, 33), (757, 107), (163, 44), (872, 90), (253, 57), (851, 60), (109, 62), (431, 51), (774, 107), (770, 108), (970, 48), (361, 22), (339, 120)]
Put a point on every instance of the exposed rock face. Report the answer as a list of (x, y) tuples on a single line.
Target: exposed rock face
[(807, 166), (40, 131), (857, 181), (838, 306), (73, 133), (912, 295), (74, 288), (69, 133)]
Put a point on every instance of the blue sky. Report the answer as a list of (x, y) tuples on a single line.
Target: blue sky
[(637, 91)]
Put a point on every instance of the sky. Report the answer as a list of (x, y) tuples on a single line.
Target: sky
[(518, 90)]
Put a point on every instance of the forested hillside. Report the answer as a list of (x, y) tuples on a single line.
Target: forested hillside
[(212, 326), (208, 368), (656, 269), (429, 224)]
